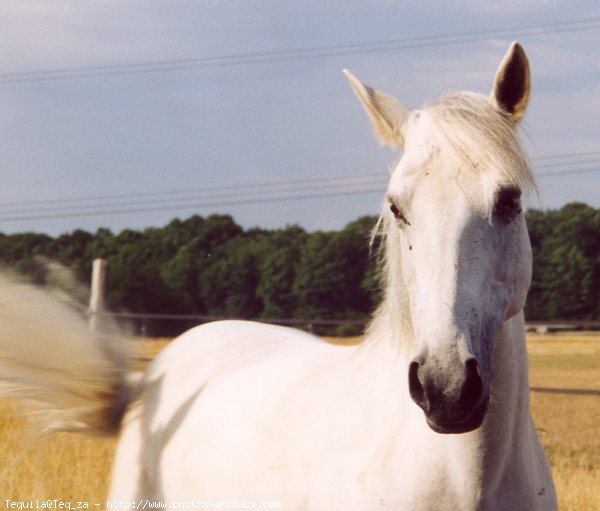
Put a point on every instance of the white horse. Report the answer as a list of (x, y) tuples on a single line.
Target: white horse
[(430, 412)]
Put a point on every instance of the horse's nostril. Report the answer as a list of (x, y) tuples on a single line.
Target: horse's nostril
[(472, 390), (448, 398), (415, 386)]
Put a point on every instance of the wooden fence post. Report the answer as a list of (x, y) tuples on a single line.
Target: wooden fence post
[(97, 295)]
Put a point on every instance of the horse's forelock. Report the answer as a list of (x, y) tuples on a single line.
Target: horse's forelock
[(482, 136)]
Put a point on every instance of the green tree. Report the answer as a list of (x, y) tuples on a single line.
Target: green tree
[(196, 244), (18, 247), (278, 271), (228, 286), (538, 223), (212, 266), (330, 281), (181, 275), (134, 280), (566, 269)]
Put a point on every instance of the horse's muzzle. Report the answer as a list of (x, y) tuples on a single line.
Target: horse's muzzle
[(455, 403)]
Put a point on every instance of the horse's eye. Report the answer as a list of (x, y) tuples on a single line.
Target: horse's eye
[(398, 215), (508, 204)]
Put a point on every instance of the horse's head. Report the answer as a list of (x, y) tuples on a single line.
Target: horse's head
[(457, 245)]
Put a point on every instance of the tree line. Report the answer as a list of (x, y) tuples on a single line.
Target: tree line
[(212, 266)]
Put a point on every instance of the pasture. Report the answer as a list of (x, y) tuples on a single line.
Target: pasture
[(564, 373)]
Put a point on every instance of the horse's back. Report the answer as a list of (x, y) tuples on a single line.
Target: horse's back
[(216, 352), (207, 400), (224, 345)]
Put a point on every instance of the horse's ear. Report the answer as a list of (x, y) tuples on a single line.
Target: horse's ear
[(513, 83), (387, 113)]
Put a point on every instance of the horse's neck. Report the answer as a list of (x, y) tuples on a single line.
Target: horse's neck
[(484, 456), (391, 326), (510, 380), (492, 457), (509, 423)]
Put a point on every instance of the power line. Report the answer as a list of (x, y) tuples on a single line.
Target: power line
[(262, 185), (169, 205), (201, 200), (295, 53), (563, 156), (249, 193), (569, 172), (191, 205), (565, 159)]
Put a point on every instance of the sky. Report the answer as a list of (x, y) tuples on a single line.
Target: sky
[(126, 114)]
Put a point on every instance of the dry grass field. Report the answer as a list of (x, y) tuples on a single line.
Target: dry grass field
[(564, 373), (569, 421)]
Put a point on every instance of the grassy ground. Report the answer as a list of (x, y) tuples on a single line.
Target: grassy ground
[(75, 468), (569, 422)]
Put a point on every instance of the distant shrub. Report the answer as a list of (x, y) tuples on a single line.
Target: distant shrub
[(348, 330)]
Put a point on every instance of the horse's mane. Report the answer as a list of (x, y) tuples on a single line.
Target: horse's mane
[(483, 137)]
